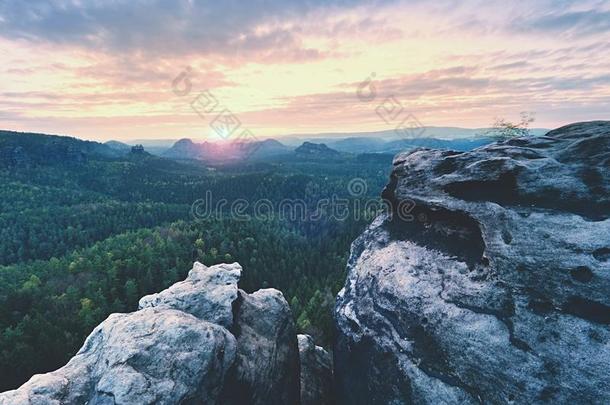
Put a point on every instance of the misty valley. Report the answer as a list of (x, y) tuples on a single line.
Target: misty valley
[(385, 202), (89, 228)]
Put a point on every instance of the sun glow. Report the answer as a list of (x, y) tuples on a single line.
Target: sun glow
[(447, 64)]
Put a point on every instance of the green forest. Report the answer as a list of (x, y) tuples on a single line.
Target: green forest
[(83, 239)]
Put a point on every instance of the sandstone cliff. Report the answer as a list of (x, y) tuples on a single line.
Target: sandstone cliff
[(497, 290)]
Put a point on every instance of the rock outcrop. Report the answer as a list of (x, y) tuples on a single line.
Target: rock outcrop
[(316, 373), (266, 368), (26, 150), (147, 357), (489, 282), (201, 341), (207, 293)]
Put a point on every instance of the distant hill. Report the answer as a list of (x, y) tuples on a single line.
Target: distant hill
[(215, 152), (27, 149), (268, 148), (118, 146), (19, 149), (316, 151), (156, 143), (154, 146), (226, 151), (183, 149), (374, 145), (348, 142), (447, 133)]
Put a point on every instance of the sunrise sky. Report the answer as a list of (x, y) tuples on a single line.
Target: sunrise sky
[(105, 69)]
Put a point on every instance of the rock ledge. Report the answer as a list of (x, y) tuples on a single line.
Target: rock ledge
[(201, 341), (496, 290)]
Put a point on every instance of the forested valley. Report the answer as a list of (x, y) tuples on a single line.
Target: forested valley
[(83, 238)]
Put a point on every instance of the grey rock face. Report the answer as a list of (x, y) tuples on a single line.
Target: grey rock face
[(496, 289), (316, 373), (266, 370), (208, 295), (147, 357), (184, 345)]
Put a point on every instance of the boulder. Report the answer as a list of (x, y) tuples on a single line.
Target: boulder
[(266, 370), (316, 373), (489, 280), (206, 293), (150, 356), (197, 342)]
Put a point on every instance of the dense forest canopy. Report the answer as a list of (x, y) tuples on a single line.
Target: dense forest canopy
[(86, 233)]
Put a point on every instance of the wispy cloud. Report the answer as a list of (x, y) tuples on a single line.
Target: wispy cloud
[(571, 23), (104, 68), (161, 27)]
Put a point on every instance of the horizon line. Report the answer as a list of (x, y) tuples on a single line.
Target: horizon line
[(338, 135)]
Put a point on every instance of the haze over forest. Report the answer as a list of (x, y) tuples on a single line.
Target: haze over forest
[(284, 202)]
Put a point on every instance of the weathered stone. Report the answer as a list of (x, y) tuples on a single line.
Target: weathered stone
[(494, 288), (207, 294), (183, 346), (316, 373), (150, 356), (266, 369)]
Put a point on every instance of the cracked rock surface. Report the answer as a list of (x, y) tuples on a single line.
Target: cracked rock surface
[(190, 344), (494, 288), (266, 368), (316, 373)]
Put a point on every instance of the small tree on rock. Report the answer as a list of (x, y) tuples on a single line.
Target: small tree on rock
[(503, 129)]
